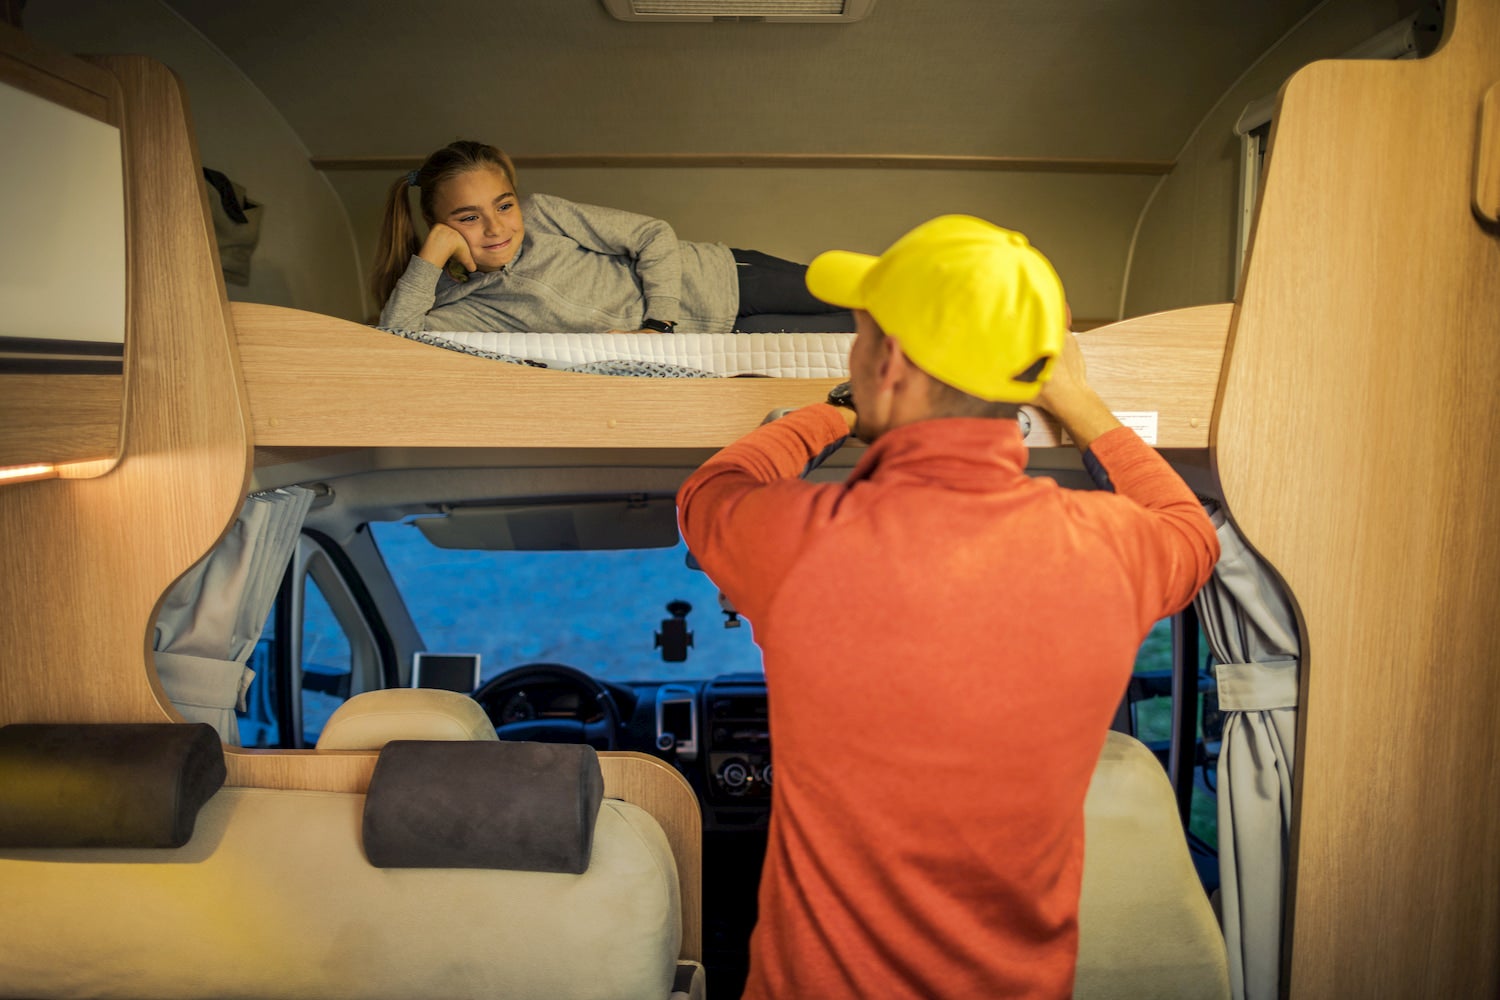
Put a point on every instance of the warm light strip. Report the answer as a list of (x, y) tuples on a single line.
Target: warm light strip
[(86, 470), (15, 473)]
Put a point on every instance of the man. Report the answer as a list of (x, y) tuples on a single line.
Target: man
[(945, 639)]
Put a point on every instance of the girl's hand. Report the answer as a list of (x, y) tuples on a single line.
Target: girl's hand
[(444, 244)]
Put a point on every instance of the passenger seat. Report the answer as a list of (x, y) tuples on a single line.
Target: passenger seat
[(370, 720), (1146, 928)]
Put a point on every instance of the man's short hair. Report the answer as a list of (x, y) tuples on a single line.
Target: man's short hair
[(950, 401)]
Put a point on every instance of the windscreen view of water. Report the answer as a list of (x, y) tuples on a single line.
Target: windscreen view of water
[(597, 611)]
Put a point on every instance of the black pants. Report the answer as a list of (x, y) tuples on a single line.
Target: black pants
[(775, 291)]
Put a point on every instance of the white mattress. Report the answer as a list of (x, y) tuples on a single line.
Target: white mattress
[(780, 355)]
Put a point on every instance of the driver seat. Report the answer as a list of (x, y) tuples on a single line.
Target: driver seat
[(370, 720)]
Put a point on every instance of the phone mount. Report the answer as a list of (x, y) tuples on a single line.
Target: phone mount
[(674, 638)]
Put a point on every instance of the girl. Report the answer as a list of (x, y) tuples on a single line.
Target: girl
[(490, 263)]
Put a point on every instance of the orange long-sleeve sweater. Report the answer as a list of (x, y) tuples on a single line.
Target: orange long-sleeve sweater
[(945, 642)]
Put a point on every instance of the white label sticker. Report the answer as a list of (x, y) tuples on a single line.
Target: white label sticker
[(1143, 422)]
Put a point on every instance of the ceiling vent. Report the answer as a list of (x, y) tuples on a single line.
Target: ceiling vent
[(805, 11)]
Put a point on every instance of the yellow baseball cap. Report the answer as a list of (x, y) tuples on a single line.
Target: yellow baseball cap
[(973, 305)]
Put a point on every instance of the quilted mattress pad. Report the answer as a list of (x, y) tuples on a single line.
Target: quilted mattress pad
[(779, 355)]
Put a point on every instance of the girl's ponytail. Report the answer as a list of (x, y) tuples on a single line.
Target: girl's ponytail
[(398, 241)]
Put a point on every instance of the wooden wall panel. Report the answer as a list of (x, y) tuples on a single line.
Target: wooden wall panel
[(86, 561), (1357, 446)]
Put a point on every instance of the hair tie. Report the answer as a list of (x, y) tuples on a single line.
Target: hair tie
[(411, 179)]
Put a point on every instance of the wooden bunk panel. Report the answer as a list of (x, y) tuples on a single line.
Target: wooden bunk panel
[(1162, 368), (315, 381), (86, 561), (1357, 447), (318, 381)]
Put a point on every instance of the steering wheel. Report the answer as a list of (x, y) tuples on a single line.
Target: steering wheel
[(599, 733)]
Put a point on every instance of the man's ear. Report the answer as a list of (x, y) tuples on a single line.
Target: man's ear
[(896, 370), (892, 363)]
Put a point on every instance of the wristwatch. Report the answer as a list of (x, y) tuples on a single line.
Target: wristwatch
[(841, 395), (659, 325)]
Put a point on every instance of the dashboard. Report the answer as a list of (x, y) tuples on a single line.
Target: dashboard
[(716, 732)]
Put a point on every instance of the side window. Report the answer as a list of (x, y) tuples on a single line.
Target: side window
[(1150, 702), (259, 726), (327, 661), (317, 651)]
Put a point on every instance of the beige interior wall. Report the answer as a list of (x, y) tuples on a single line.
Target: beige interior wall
[(38, 296), (1185, 252), (305, 257), (1082, 222)]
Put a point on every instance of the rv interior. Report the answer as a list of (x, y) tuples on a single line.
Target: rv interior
[(248, 538)]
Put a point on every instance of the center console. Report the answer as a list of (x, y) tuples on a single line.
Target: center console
[(738, 751)]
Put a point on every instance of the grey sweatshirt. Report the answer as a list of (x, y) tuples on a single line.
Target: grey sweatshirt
[(580, 269)]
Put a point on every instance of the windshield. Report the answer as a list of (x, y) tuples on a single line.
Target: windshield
[(597, 611)]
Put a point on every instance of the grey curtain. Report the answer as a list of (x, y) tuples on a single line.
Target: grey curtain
[(1252, 630), (210, 622)]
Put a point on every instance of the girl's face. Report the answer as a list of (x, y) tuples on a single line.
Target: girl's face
[(481, 205)]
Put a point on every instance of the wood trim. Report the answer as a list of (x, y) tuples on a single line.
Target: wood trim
[(1487, 159), (637, 778), (58, 419), (62, 79), (1356, 443), (800, 161)]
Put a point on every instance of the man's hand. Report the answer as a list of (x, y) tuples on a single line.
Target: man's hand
[(444, 243), (848, 414), (1068, 397)]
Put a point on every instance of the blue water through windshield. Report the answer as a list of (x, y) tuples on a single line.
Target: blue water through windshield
[(597, 611)]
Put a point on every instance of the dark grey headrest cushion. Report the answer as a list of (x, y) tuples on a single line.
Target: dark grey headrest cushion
[(454, 804), (105, 784)]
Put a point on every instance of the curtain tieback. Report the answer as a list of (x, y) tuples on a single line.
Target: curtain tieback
[(1257, 687), (203, 681)]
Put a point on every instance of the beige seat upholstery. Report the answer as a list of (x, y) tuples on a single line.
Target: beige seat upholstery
[(1146, 928), (274, 896), (370, 720)]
